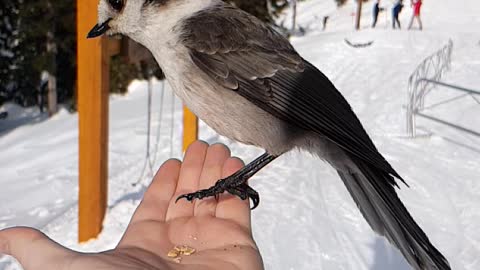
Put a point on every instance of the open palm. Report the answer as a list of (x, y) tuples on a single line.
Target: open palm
[(218, 230)]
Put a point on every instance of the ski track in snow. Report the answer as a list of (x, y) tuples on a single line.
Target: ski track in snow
[(306, 219)]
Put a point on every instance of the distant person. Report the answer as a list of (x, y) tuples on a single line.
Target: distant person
[(416, 5), (42, 93), (376, 11), (325, 21), (397, 8)]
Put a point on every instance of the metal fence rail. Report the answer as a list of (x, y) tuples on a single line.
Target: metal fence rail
[(456, 87), (420, 107), (469, 131), (431, 69)]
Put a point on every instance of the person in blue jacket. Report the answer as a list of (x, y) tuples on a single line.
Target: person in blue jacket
[(376, 11), (397, 8)]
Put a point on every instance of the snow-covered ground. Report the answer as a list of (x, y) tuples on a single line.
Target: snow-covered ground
[(306, 220)]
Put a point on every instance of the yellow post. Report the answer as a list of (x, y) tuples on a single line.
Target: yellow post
[(190, 128), (92, 91)]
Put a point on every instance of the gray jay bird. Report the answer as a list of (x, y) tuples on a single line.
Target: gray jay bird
[(248, 83)]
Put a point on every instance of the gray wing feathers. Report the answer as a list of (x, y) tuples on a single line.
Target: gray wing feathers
[(240, 40), (241, 53), (386, 214)]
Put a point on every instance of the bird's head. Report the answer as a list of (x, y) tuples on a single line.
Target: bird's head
[(120, 16), (133, 17)]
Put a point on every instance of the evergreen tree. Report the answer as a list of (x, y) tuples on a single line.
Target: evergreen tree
[(265, 10), (66, 43), (26, 28), (30, 55), (340, 2), (258, 8), (42, 23), (8, 37)]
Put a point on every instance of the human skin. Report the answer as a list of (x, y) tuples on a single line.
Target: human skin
[(220, 230)]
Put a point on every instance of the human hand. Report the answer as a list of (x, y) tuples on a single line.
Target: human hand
[(219, 231)]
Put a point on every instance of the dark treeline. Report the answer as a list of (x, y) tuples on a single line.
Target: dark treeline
[(40, 36)]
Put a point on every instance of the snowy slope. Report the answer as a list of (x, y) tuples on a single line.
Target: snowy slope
[(306, 220)]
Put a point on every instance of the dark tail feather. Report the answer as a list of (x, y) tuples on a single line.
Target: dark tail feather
[(376, 197)]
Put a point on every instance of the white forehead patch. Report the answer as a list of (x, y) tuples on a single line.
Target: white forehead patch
[(104, 11), (166, 17)]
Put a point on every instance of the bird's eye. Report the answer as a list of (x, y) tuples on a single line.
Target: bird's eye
[(116, 4)]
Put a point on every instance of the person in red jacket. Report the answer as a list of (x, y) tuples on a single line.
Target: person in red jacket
[(416, 5)]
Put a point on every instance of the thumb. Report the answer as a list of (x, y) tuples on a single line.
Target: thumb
[(33, 249)]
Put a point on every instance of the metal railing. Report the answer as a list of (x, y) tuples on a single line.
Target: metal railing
[(421, 106), (419, 85)]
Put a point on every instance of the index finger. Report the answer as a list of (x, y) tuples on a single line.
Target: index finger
[(157, 198), (232, 207)]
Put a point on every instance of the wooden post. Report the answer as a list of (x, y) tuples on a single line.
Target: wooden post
[(190, 128), (359, 14), (93, 88)]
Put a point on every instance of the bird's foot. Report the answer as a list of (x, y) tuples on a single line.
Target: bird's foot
[(236, 184), (243, 191)]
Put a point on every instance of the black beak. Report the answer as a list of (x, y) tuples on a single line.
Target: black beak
[(99, 29)]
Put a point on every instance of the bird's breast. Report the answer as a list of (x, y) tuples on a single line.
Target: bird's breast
[(227, 112)]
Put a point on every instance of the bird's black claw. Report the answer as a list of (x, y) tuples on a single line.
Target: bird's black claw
[(245, 192), (188, 197), (255, 200), (201, 194), (253, 195)]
